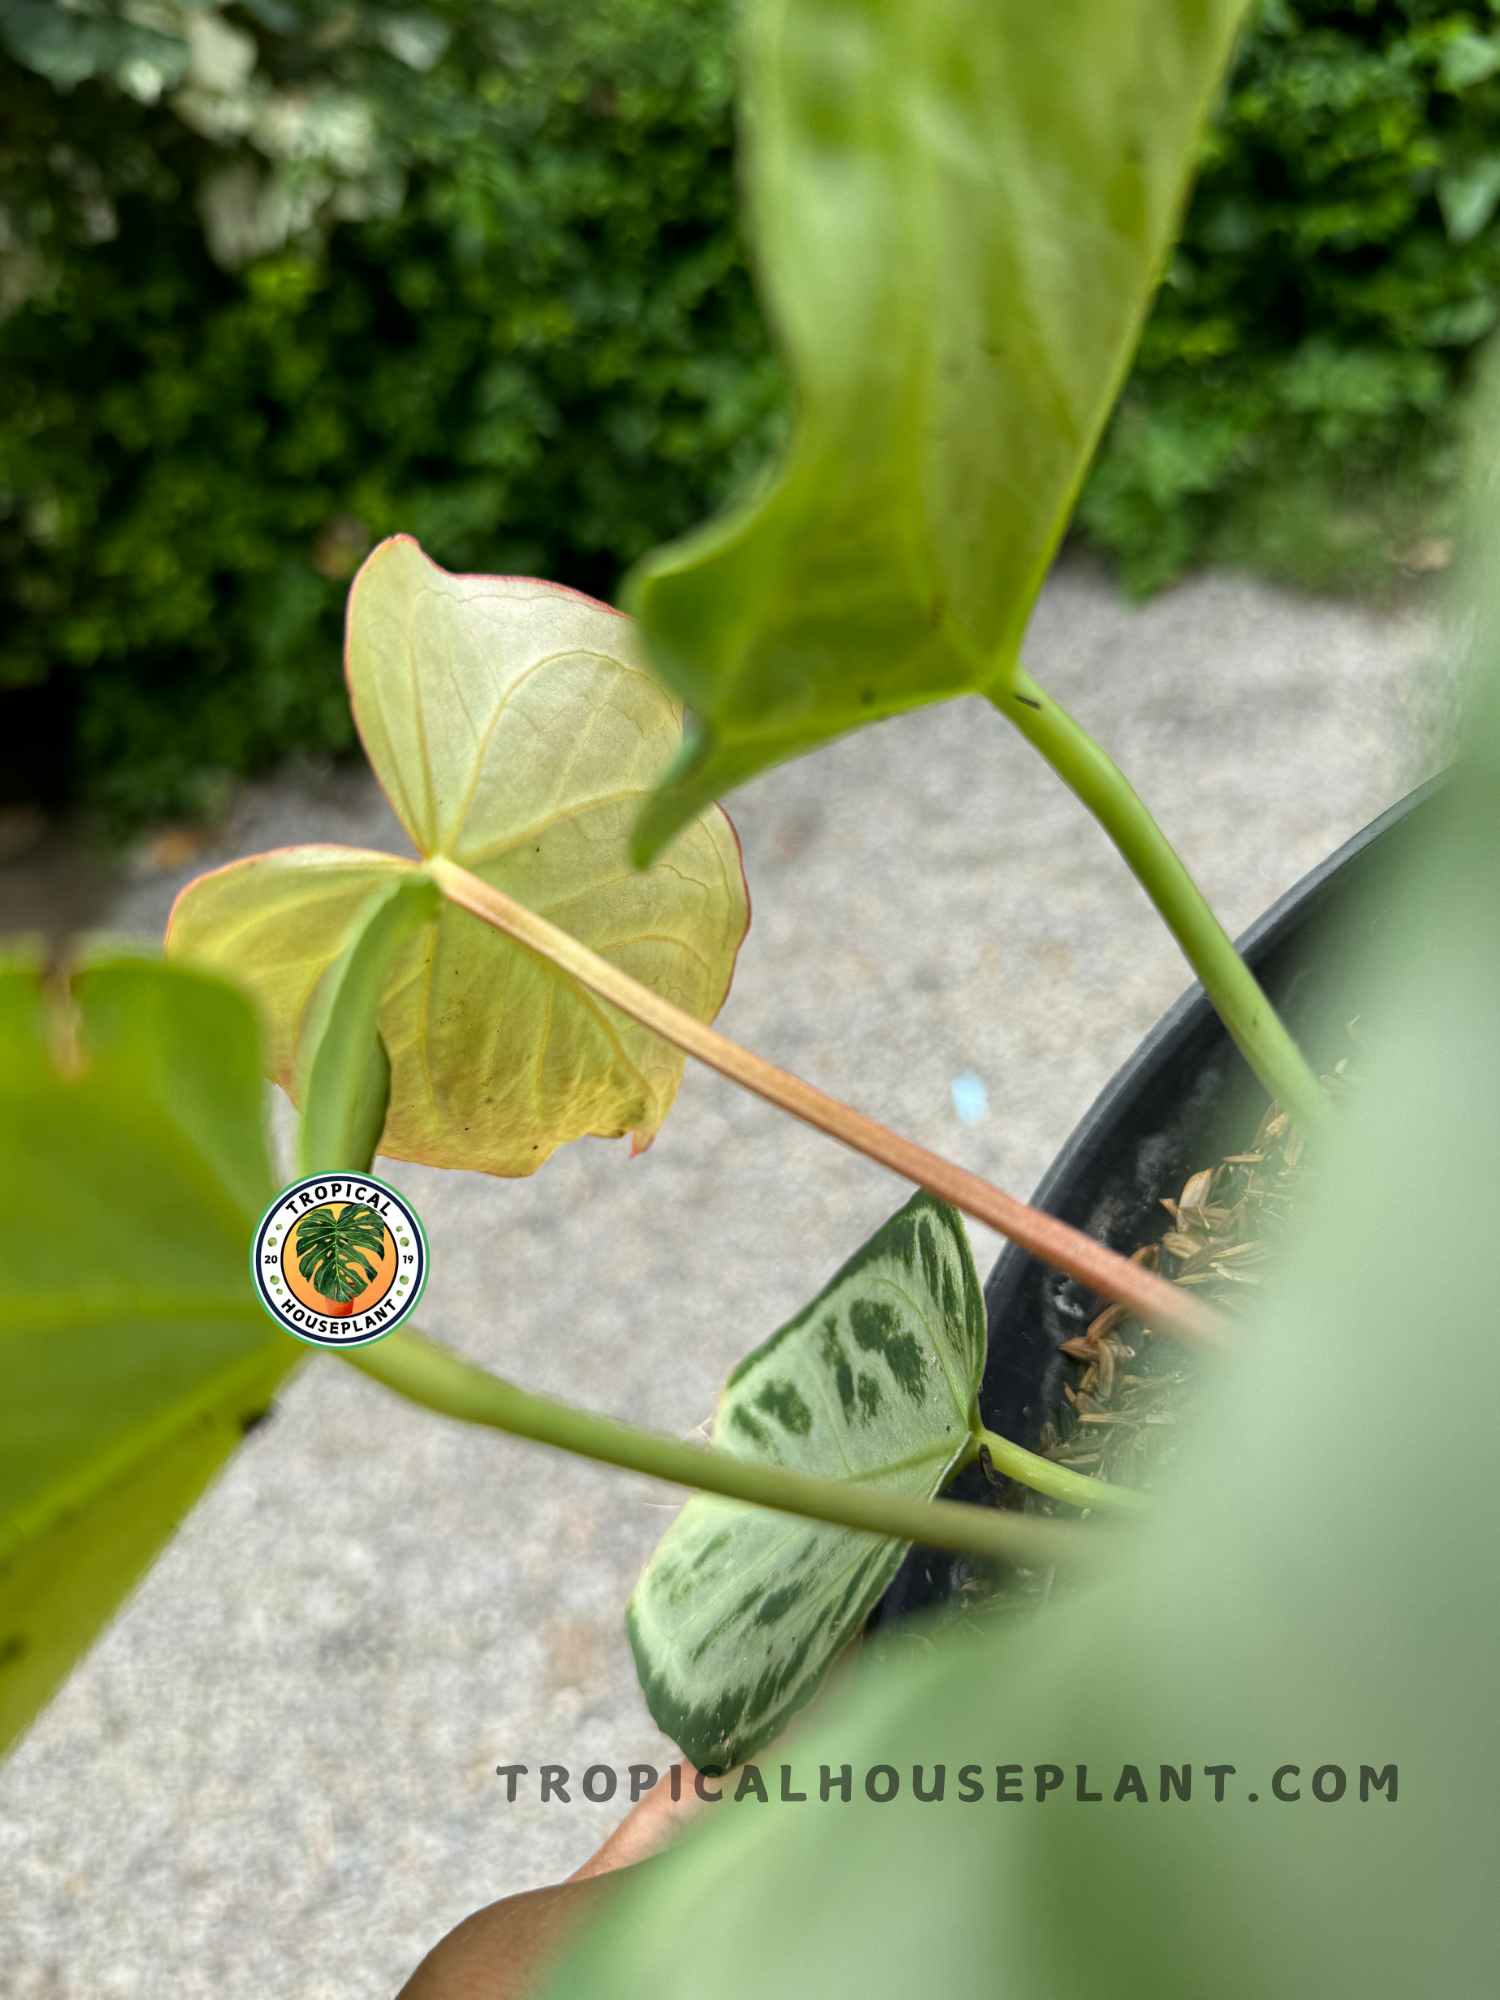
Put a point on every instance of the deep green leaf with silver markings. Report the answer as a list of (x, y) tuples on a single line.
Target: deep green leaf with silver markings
[(741, 1611)]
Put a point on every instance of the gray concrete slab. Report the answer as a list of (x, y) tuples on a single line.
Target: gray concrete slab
[(274, 1776)]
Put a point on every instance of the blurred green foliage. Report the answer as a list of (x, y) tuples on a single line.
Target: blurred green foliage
[(279, 280), (1297, 399), (544, 361)]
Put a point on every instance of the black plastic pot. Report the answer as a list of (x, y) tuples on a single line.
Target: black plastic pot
[(1183, 1099)]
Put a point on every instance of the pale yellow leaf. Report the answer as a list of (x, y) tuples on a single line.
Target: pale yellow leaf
[(516, 730)]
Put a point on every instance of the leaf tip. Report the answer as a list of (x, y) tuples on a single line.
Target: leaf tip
[(680, 794)]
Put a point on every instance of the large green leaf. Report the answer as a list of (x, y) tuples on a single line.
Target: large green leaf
[(961, 209), (740, 1611), (516, 728), (1307, 1632), (133, 1353)]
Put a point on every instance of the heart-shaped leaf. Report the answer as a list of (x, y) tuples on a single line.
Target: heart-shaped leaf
[(961, 213), (515, 727), (740, 1611), (133, 1351)]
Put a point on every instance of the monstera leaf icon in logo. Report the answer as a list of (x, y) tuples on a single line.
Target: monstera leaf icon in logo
[(339, 1261), (334, 1247)]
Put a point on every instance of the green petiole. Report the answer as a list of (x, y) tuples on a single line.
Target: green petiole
[(1253, 1023), (427, 1373), (1074, 1489)]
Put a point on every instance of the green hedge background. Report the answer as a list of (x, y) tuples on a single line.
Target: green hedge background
[(278, 279)]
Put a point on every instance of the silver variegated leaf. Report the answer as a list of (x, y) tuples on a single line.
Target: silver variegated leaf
[(741, 1611)]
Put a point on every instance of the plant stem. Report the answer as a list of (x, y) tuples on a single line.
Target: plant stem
[(1253, 1023), (1163, 1306), (1075, 1489), (426, 1373)]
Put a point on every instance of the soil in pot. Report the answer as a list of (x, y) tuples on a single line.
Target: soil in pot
[(1162, 1168), (1129, 1398)]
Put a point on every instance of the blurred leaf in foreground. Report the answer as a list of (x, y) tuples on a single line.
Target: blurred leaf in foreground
[(133, 1352), (1318, 1598)]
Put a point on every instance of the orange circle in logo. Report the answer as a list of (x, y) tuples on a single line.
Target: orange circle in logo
[(384, 1267)]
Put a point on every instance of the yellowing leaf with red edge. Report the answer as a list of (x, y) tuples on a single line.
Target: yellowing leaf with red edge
[(516, 729)]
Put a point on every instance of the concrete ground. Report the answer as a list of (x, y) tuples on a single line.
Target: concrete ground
[(273, 1779)]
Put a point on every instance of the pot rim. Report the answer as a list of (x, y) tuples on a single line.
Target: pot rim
[(1271, 929)]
